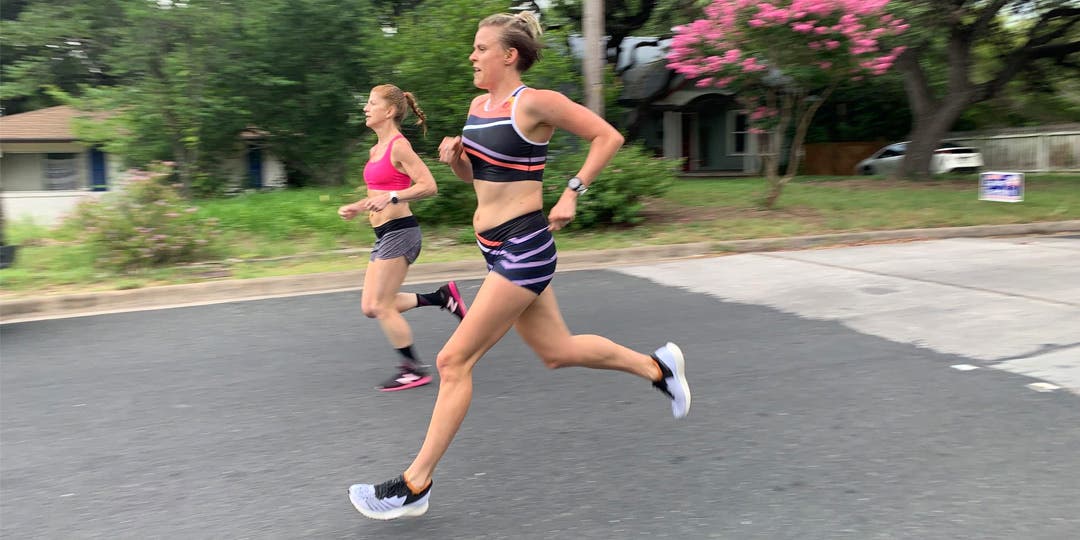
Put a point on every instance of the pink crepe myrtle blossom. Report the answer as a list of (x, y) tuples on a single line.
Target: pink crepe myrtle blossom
[(738, 38), (762, 112), (746, 44)]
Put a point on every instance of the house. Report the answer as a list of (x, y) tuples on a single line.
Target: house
[(705, 127), (45, 169)]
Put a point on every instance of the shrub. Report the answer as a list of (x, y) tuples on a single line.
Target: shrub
[(633, 175), (144, 223), (455, 203)]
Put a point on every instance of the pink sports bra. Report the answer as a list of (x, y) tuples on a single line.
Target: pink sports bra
[(382, 175)]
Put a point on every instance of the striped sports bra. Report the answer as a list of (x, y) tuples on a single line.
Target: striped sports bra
[(498, 151), (380, 174)]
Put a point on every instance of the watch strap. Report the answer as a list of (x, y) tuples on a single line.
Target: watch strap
[(575, 183)]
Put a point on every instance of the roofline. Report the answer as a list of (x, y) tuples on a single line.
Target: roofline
[(38, 139)]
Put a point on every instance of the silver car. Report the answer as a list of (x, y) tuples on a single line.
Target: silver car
[(948, 158)]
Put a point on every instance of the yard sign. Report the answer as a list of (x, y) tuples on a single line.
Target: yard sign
[(1001, 186)]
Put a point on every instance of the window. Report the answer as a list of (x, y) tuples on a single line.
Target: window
[(738, 142), (61, 172)]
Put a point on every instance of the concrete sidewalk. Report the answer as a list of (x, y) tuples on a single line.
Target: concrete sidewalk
[(69, 305)]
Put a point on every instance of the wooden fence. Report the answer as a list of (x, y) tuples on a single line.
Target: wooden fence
[(836, 159)]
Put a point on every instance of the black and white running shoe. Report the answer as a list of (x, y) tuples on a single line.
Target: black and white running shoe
[(389, 500), (673, 384)]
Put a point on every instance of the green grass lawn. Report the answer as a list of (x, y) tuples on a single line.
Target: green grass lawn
[(298, 231)]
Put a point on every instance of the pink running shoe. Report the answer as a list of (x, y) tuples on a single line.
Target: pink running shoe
[(406, 378), (452, 301)]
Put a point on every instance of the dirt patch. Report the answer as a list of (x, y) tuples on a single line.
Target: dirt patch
[(660, 212), (871, 184)]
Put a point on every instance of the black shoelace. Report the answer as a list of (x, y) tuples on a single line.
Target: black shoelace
[(392, 488)]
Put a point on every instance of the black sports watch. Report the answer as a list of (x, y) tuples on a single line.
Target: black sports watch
[(393, 197), (577, 185)]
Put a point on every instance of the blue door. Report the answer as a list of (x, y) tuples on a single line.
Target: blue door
[(98, 180), (255, 167)]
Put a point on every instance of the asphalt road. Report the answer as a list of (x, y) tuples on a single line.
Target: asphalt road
[(927, 390)]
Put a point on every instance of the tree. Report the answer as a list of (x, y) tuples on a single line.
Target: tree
[(176, 100), (1046, 32), (873, 109), (62, 44), (182, 79), (305, 72), (782, 61)]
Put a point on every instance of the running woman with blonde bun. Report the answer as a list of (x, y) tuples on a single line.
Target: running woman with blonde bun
[(502, 152), (395, 175)]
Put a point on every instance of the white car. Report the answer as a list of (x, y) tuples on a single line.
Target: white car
[(948, 158)]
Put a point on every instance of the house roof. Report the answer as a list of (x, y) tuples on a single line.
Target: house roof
[(54, 125), (43, 125)]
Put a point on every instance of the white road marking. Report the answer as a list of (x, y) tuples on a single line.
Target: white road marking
[(1043, 387)]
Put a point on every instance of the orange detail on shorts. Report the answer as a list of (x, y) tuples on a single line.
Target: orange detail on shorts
[(486, 242)]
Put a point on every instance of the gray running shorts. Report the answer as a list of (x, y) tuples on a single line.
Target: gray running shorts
[(398, 243)]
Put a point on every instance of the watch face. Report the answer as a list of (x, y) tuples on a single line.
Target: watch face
[(574, 183)]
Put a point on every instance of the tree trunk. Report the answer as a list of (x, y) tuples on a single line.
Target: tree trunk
[(927, 131), (776, 141), (802, 125)]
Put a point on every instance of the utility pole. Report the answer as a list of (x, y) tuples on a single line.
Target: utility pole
[(595, 54)]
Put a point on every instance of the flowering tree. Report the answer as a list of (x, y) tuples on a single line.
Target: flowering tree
[(782, 59)]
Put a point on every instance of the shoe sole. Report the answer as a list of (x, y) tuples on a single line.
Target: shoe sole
[(405, 511), (680, 375), (419, 382), (457, 298)]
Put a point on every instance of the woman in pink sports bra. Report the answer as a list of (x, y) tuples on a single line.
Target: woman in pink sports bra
[(395, 175)]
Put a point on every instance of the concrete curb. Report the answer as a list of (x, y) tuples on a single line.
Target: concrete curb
[(974, 231), (46, 306)]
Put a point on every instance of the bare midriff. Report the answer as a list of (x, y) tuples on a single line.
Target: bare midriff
[(499, 202), (391, 212)]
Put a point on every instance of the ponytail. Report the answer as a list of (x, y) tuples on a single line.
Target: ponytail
[(421, 118)]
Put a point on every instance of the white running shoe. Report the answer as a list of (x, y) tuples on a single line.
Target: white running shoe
[(389, 500), (673, 384)]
